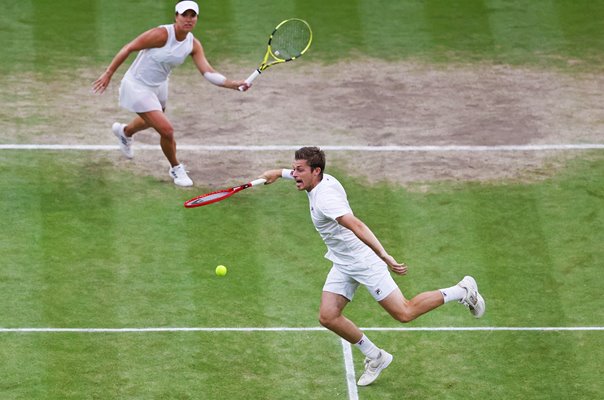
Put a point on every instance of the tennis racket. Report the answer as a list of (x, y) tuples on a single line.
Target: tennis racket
[(290, 39), (219, 195)]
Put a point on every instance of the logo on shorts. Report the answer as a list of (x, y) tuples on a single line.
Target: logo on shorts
[(378, 291)]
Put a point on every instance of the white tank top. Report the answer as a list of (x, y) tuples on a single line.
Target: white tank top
[(153, 66)]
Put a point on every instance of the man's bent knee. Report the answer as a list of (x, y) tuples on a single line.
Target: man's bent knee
[(404, 316), (327, 320)]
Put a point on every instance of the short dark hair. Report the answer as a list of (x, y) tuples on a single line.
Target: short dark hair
[(314, 156)]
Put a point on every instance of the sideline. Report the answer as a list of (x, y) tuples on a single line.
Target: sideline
[(353, 393), (218, 148)]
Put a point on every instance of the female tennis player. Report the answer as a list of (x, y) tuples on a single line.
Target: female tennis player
[(144, 88), (359, 258)]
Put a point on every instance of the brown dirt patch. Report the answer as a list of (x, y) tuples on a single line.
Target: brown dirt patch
[(353, 103)]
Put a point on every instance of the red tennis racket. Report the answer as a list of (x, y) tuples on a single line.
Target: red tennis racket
[(219, 195)]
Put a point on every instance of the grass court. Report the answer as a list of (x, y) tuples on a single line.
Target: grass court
[(107, 283)]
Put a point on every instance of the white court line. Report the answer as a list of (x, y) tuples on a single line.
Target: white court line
[(221, 148), (353, 393), (304, 329), (492, 328)]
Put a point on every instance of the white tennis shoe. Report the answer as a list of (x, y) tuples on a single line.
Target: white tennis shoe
[(473, 300), (179, 174), (373, 368), (125, 142)]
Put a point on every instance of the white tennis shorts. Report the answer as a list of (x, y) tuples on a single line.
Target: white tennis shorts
[(345, 279), (137, 97)]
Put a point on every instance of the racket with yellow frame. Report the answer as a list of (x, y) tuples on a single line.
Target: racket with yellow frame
[(290, 40)]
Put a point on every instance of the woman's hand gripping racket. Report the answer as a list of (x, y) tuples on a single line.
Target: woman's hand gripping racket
[(290, 39), (220, 195)]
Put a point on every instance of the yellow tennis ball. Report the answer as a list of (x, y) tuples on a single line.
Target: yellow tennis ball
[(221, 270)]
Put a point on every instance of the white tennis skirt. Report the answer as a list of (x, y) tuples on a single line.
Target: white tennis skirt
[(137, 97)]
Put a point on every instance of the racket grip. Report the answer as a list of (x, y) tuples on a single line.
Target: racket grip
[(251, 78), (259, 181)]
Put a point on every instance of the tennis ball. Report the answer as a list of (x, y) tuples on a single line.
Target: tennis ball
[(221, 270)]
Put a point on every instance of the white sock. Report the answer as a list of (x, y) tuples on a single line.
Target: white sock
[(367, 347), (453, 293)]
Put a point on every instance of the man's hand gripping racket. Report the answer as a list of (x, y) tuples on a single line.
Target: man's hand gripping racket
[(290, 39), (219, 195)]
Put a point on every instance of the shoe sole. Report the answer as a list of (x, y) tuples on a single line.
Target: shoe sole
[(484, 307), (184, 185), (480, 299)]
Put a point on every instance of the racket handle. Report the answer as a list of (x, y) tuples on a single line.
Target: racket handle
[(259, 181), (250, 79)]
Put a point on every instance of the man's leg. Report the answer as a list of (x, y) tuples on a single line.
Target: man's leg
[(403, 310), (330, 316)]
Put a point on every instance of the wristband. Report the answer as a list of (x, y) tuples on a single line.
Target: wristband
[(287, 173), (215, 77)]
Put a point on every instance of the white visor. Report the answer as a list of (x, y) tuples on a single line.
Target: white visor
[(183, 6)]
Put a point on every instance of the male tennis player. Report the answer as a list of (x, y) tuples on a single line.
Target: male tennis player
[(359, 259)]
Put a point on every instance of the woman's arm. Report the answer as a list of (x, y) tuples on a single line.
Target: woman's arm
[(204, 67), (155, 37)]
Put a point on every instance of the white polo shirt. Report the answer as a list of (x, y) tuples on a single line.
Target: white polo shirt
[(327, 202)]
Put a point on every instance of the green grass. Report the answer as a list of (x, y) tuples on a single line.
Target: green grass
[(169, 366), (45, 36), (87, 247)]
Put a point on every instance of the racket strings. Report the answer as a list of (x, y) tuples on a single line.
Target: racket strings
[(290, 40), (211, 197)]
